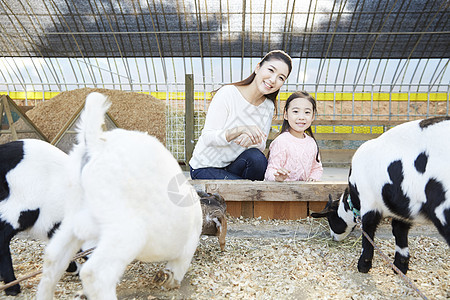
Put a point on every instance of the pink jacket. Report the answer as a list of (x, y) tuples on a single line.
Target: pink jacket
[(295, 155)]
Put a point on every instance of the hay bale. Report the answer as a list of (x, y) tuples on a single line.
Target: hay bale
[(132, 111)]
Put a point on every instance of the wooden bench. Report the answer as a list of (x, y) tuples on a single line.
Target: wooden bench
[(272, 200)]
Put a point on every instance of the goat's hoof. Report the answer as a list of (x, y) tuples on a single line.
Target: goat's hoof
[(80, 296), (13, 291), (364, 266), (163, 276), (165, 279), (402, 268), (401, 263), (73, 268)]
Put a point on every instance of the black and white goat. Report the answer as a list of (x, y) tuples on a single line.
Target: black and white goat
[(33, 190), (136, 204), (403, 174)]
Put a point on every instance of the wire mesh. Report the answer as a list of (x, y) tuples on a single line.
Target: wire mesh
[(364, 103)]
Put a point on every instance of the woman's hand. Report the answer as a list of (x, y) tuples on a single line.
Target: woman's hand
[(281, 174), (253, 132), (244, 141)]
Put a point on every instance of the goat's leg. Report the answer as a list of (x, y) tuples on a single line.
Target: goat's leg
[(370, 222), (102, 271), (445, 230), (73, 268), (6, 266), (222, 232), (442, 225), (58, 254), (400, 230), (175, 270)]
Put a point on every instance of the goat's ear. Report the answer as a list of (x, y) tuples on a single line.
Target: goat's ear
[(328, 208), (321, 214)]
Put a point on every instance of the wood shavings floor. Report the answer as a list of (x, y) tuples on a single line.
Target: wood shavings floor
[(274, 260)]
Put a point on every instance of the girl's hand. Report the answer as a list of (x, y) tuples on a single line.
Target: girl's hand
[(281, 174)]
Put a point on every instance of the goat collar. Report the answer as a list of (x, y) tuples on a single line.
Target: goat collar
[(355, 211)]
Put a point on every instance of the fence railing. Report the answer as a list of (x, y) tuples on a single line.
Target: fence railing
[(186, 107)]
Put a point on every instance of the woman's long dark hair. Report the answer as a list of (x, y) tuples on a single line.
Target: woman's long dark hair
[(285, 127), (274, 54)]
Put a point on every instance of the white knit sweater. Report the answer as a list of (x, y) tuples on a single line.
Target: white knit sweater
[(229, 109)]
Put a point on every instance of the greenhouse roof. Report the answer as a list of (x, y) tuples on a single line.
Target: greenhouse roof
[(360, 29)]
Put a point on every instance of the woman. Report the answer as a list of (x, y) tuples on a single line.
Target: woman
[(238, 122)]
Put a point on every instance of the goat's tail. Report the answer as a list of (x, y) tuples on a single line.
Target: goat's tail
[(92, 119)]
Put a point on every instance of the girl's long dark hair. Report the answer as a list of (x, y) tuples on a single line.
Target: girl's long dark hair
[(274, 54), (285, 127)]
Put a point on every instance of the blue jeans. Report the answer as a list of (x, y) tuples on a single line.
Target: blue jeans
[(251, 164)]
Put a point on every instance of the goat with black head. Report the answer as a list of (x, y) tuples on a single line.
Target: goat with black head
[(402, 174)]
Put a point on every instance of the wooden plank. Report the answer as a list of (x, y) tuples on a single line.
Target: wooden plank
[(234, 208), (246, 190), (7, 131), (317, 206), (271, 209), (66, 137), (25, 108), (1, 113), (276, 209), (359, 122), (247, 210), (281, 210), (337, 155), (14, 107), (9, 117), (352, 122), (189, 117), (248, 199), (68, 124), (335, 136), (346, 136)]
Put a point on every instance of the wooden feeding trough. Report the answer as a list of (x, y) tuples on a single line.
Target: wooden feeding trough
[(15, 124), (66, 137)]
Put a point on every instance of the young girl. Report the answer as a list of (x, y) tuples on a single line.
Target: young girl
[(294, 155)]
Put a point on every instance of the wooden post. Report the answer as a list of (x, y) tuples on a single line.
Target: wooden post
[(10, 119), (1, 113), (189, 118)]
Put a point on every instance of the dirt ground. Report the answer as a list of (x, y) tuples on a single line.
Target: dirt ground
[(275, 260)]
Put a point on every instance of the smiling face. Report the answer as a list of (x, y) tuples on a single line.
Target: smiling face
[(299, 115), (270, 75)]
